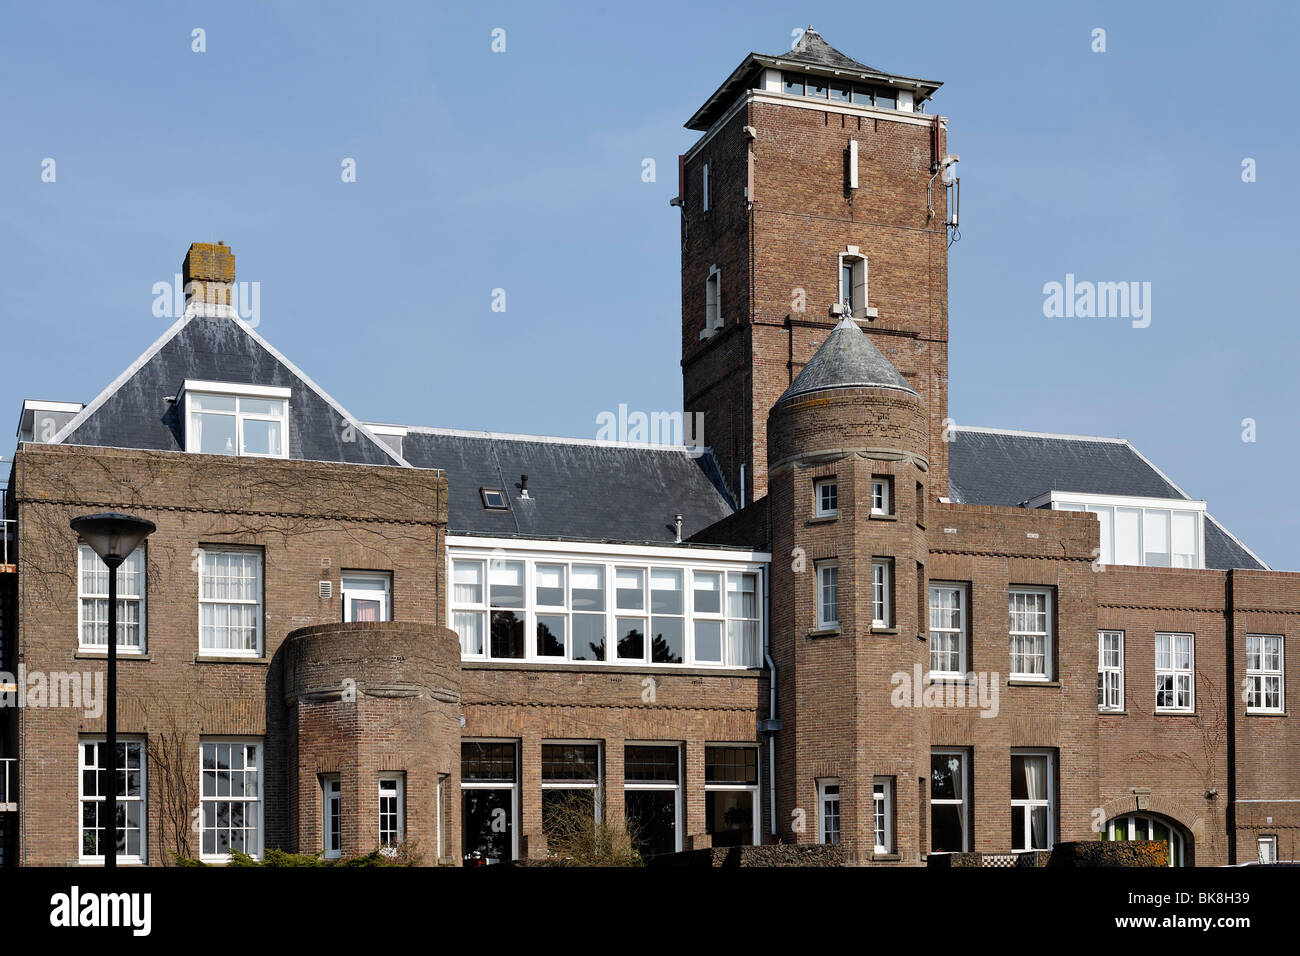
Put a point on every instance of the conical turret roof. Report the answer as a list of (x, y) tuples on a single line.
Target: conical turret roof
[(847, 359)]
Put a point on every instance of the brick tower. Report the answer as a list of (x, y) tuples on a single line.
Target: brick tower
[(816, 191), (847, 472)]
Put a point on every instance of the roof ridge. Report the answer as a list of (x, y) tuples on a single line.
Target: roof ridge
[(551, 439), (988, 430)]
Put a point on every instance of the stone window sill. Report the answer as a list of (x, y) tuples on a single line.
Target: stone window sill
[(887, 857), (218, 659), (876, 629), (824, 632), (823, 519), (1016, 682), (103, 656), (879, 517)]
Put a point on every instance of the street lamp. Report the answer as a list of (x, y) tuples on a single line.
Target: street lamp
[(113, 537)]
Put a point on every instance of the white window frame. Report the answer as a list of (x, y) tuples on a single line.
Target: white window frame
[(882, 814), (1177, 843), (440, 808), (960, 633), (882, 592), (857, 293), (1106, 507), (1110, 675), (258, 803), (368, 586), (331, 804), (1174, 672), (596, 787), (827, 578), (1027, 805), (238, 391), (1047, 635), (826, 498), (513, 787), (477, 609), (963, 803), (142, 798), (662, 786), (741, 636), (828, 793), (1266, 848), (713, 301), (260, 603), (1259, 675), (392, 787), (881, 497), (753, 788), (136, 563)]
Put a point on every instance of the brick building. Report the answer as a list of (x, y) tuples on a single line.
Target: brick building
[(845, 621)]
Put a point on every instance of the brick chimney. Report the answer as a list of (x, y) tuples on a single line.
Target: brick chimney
[(208, 273)]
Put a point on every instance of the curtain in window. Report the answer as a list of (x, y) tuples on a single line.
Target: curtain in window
[(467, 579), (1036, 789)]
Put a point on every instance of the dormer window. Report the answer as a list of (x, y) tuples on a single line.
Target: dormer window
[(493, 498), (230, 419)]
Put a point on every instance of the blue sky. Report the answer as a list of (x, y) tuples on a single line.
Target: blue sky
[(522, 171)]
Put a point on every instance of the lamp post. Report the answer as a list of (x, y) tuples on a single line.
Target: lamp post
[(113, 537)]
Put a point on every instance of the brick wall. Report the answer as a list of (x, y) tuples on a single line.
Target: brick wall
[(801, 218), (309, 520)]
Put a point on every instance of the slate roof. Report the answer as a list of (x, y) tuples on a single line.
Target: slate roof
[(994, 467), (815, 51), (578, 490), (847, 359), (813, 54), (134, 411)]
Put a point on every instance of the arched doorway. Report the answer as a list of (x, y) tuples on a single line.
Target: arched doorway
[(1146, 826)]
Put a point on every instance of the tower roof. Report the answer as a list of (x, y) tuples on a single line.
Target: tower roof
[(815, 51), (813, 55), (847, 359)]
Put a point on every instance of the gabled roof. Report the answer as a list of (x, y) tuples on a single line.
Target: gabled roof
[(135, 411), (810, 54), (578, 490), (988, 466), (847, 359)]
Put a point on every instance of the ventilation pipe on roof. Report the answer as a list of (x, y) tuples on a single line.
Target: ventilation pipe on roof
[(678, 520), (523, 486)]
